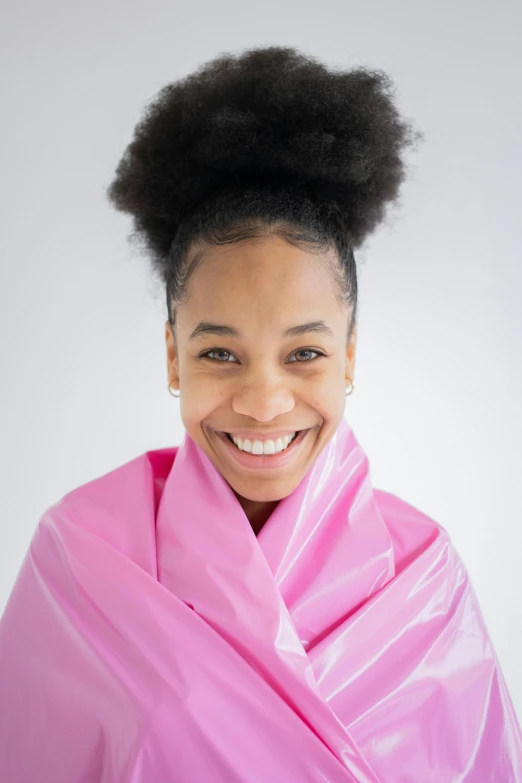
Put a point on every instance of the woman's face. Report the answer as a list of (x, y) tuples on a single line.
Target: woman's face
[(241, 370)]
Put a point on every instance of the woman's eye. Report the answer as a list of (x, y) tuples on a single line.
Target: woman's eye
[(307, 351), (218, 352)]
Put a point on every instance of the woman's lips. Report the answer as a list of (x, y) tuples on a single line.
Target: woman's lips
[(263, 461)]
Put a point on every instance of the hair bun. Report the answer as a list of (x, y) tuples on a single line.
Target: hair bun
[(269, 114)]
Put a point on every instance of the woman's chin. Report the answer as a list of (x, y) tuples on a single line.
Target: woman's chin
[(258, 494)]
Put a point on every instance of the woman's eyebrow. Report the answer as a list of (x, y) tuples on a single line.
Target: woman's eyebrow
[(205, 327)]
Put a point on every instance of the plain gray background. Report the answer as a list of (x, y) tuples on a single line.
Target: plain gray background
[(438, 375)]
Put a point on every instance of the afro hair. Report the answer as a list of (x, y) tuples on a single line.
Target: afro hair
[(268, 118)]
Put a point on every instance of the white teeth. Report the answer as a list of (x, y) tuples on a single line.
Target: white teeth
[(263, 447)]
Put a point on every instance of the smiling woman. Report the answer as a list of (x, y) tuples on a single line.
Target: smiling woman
[(246, 606)]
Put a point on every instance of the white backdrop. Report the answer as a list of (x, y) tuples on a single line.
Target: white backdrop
[(438, 371)]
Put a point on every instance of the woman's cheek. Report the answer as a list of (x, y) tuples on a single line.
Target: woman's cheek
[(327, 398), (199, 398)]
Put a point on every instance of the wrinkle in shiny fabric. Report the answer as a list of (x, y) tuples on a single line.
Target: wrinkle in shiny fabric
[(151, 636)]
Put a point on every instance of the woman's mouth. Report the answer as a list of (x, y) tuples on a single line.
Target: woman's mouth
[(267, 454)]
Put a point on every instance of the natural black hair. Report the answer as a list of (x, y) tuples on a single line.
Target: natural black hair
[(269, 142)]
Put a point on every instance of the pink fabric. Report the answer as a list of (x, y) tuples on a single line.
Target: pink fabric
[(151, 637)]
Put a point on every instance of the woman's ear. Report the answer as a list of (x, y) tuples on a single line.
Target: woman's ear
[(172, 356), (350, 355)]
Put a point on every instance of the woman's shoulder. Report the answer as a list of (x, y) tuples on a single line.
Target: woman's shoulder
[(127, 478), (119, 505), (412, 531)]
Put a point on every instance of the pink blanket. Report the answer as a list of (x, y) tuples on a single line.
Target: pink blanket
[(151, 637)]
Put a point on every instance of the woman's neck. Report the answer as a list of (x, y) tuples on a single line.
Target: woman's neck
[(257, 511)]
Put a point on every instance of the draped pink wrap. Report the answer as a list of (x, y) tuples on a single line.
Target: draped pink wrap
[(151, 637)]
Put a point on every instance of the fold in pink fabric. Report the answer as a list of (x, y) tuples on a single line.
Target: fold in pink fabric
[(152, 637)]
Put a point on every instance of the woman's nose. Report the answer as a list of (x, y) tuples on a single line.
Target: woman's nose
[(263, 401)]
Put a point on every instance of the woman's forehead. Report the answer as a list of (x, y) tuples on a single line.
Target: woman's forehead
[(270, 267)]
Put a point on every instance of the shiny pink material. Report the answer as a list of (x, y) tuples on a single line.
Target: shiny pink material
[(151, 637)]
